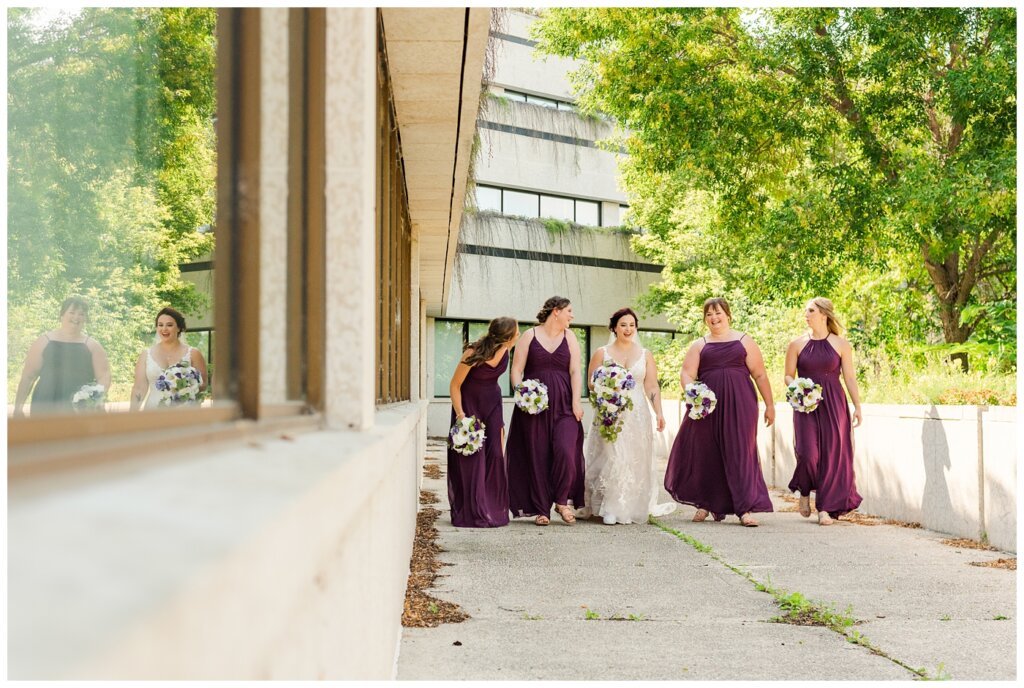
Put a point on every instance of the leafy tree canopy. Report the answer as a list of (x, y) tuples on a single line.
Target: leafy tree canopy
[(782, 151)]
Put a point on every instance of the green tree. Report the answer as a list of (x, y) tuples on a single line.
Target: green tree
[(778, 150), (110, 169)]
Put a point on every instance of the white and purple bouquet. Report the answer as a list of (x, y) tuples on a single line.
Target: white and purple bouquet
[(179, 385), (803, 394), (611, 398), (89, 397), (531, 396), (467, 435), (700, 399)]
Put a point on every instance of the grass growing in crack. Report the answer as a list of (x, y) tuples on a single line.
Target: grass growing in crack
[(939, 675), (797, 606), (1000, 617), (533, 617), (591, 615), (630, 617)]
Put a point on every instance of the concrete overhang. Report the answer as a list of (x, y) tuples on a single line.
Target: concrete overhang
[(436, 60)]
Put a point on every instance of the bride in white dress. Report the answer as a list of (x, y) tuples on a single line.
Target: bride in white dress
[(620, 486), (169, 349)]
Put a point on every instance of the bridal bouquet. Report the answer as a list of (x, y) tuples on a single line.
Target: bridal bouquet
[(531, 396), (803, 395), (467, 435), (610, 398), (700, 399), (179, 385), (88, 397)]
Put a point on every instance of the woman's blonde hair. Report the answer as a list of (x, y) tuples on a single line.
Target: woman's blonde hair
[(828, 310)]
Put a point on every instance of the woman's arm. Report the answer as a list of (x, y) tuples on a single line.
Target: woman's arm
[(691, 364), (850, 378), (792, 352), (455, 386), (519, 358), (652, 389), (199, 363), (575, 374), (755, 364), (100, 364), (29, 374), (140, 385), (595, 362)]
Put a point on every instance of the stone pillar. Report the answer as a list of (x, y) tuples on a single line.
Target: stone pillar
[(351, 173), (273, 203)]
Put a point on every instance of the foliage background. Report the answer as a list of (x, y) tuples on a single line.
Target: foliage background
[(111, 170), (866, 154)]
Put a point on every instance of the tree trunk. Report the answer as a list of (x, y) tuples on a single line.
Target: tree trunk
[(945, 278)]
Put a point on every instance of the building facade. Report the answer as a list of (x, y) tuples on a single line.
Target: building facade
[(268, 535), (546, 218)]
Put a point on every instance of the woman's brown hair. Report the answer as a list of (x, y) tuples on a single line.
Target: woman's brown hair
[(721, 303), (499, 331), (828, 310)]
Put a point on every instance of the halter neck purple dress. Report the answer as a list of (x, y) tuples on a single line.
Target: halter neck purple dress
[(545, 451), (477, 484), (822, 438), (713, 464)]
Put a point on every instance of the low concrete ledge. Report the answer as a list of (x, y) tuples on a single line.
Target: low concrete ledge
[(283, 559)]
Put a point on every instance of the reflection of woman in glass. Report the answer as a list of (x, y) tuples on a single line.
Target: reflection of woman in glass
[(62, 360), (169, 350)]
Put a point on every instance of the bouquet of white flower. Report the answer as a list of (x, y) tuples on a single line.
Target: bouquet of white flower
[(531, 396), (700, 399), (467, 435), (89, 397), (803, 394), (179, 385), (610, 398)]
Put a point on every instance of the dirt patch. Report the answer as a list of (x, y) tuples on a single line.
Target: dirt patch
[(872, 520), (427, 498), (794, 504), (807, 617), (1008, 564), (432, 470), (967, 543), (421, 609)]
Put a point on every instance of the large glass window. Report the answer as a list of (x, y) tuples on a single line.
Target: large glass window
[(588, 213), (111, 189), (521, 203), (448, 339), (488, 198), (557, 207)]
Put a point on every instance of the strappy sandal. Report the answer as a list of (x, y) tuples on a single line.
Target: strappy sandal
[(542, 520), (566, 513), (805, 506), (748, 521), (824, 519), (701, 515)]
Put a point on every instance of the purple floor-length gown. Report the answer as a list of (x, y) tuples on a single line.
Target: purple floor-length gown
[(545, 451), (713, 464), (477, 484), (824, 451)]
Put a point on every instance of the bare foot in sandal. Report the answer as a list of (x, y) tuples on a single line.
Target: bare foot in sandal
[(565, 511), (701, 515), (805, 506), (748, 521), (542, 520), (824, 519)]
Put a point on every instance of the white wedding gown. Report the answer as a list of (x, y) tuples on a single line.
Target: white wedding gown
[(154, 371), (620, 483)]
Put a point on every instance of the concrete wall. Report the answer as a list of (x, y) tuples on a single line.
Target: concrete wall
[(281, 558), (919, 463)]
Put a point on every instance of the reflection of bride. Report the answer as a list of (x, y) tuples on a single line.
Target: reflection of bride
[(169, 350), (620, 484)]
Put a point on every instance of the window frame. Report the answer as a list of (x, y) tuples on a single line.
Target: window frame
[(38, 444)]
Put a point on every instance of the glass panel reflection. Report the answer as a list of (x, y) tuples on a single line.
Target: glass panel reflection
[(111, 193)]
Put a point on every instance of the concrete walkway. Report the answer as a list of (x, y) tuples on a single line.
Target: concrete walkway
[(693, 604)]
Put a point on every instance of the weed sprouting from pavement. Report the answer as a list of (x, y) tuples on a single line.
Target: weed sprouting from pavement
[(591, 615), (800, 610)]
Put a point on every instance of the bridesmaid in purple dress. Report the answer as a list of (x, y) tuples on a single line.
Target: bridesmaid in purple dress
[(823, 438), (477, 484), (713, 464), (545, 451)]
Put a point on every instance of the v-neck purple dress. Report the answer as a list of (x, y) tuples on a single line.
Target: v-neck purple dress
[(545, 451), (822, 438), (477, 484), (713, 464)]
